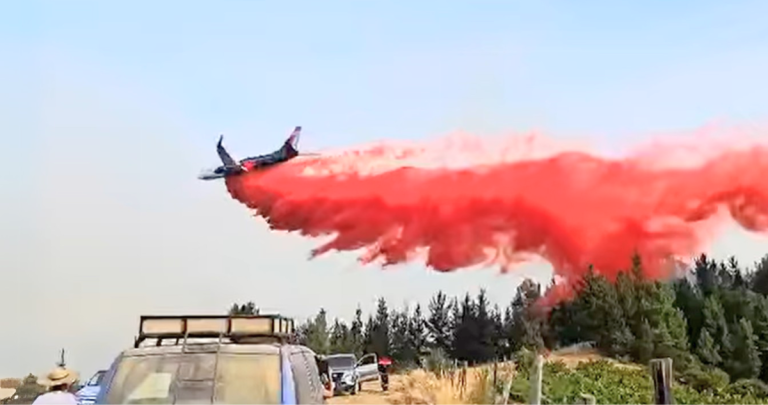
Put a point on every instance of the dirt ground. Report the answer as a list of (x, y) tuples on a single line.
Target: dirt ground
[(370, 394)]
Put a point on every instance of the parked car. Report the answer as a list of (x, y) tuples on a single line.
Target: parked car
[(348, 374), (214, 359), (88, 393)]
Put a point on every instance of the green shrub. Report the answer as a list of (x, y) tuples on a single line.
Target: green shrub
[(611, 384)]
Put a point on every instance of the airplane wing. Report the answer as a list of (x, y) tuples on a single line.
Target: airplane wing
[(226, 159)]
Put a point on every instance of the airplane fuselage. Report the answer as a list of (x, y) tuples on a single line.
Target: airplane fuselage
[(260, 162)]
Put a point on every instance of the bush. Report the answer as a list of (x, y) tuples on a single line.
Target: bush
[(612, 384)]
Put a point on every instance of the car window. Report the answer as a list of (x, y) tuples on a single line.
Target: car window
[(150, 379), (248, 379), (96, 379), (341, 361)]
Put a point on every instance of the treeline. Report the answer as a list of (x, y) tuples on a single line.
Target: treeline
[(713, 323)]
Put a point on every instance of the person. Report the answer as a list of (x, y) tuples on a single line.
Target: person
[(384, 363), (325, 376), (58, 381)]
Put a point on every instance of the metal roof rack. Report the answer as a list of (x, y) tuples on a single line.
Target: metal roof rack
[(237, 328)]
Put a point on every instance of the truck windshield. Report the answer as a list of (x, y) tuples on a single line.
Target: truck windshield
[(96, 379), (189, 378), (341, 361)]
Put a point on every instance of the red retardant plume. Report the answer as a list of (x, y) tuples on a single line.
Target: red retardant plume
[(468, 202)]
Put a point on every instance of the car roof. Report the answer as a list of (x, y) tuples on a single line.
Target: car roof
[(261, 348), (340, 355)]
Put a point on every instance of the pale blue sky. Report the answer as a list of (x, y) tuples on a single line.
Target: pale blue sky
[(109, 109)]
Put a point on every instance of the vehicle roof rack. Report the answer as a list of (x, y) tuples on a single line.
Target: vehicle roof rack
[(237, 328)]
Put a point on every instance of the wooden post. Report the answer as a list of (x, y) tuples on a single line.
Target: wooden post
[(495, 370), (587, 399), (661, 372), (536, 376)]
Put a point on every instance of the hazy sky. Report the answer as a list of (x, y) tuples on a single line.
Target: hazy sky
[(109, 109)]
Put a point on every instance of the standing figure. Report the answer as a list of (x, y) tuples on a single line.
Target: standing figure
[(384, 364), (59, 381)]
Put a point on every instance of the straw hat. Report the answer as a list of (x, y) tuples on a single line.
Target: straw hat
[(58, 376)]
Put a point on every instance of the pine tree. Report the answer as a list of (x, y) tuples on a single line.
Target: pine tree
[(417, 335), (380, 335), (759, 282), (714, 323), (745, 360), (761, 332), (484, 346), (316, 334), (690, 301), (341, 338), (356, 333), (439, 322), (498, 337), (705, 271), (526, 321), (604, 321), (368, 335), (707, 350), (465, 331), (249, 308), (400, 345), (643, 345)]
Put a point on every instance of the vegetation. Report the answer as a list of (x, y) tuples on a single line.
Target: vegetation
[(713, 323)]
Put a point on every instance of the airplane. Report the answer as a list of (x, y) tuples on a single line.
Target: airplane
[(231, 167)]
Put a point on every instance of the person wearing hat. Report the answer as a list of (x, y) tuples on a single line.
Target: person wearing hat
[(58, 381)]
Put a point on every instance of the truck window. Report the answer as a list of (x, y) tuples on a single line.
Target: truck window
[(240, 378)]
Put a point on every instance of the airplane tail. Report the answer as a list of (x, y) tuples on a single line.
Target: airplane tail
[(293, 139), (226, 159)]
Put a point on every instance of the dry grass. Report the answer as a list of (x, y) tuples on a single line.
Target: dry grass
[(450, 387), (475, 387)]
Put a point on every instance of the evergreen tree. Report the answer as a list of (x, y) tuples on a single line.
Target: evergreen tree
[(643, 345), (368, 335), (498, 337), (417, 335), (605, 322), (439, 324), (316, 334), (399, 343), (465, 331), (690, 301), (707, 350), (714, 323), (761, 332), (484, 346), (745, 359), (356, 333), (380, 336), (705, 271), (526, 321), (341, 339), (759, 282), (249, 308)]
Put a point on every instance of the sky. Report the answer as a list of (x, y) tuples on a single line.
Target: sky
[(109, 110)]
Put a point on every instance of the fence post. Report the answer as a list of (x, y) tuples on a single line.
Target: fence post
[(495, 370), (536, 377), (661, 372)]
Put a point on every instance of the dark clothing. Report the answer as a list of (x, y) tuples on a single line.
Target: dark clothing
[(384, 364)]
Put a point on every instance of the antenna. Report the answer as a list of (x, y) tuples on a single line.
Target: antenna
[(61, 362)]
